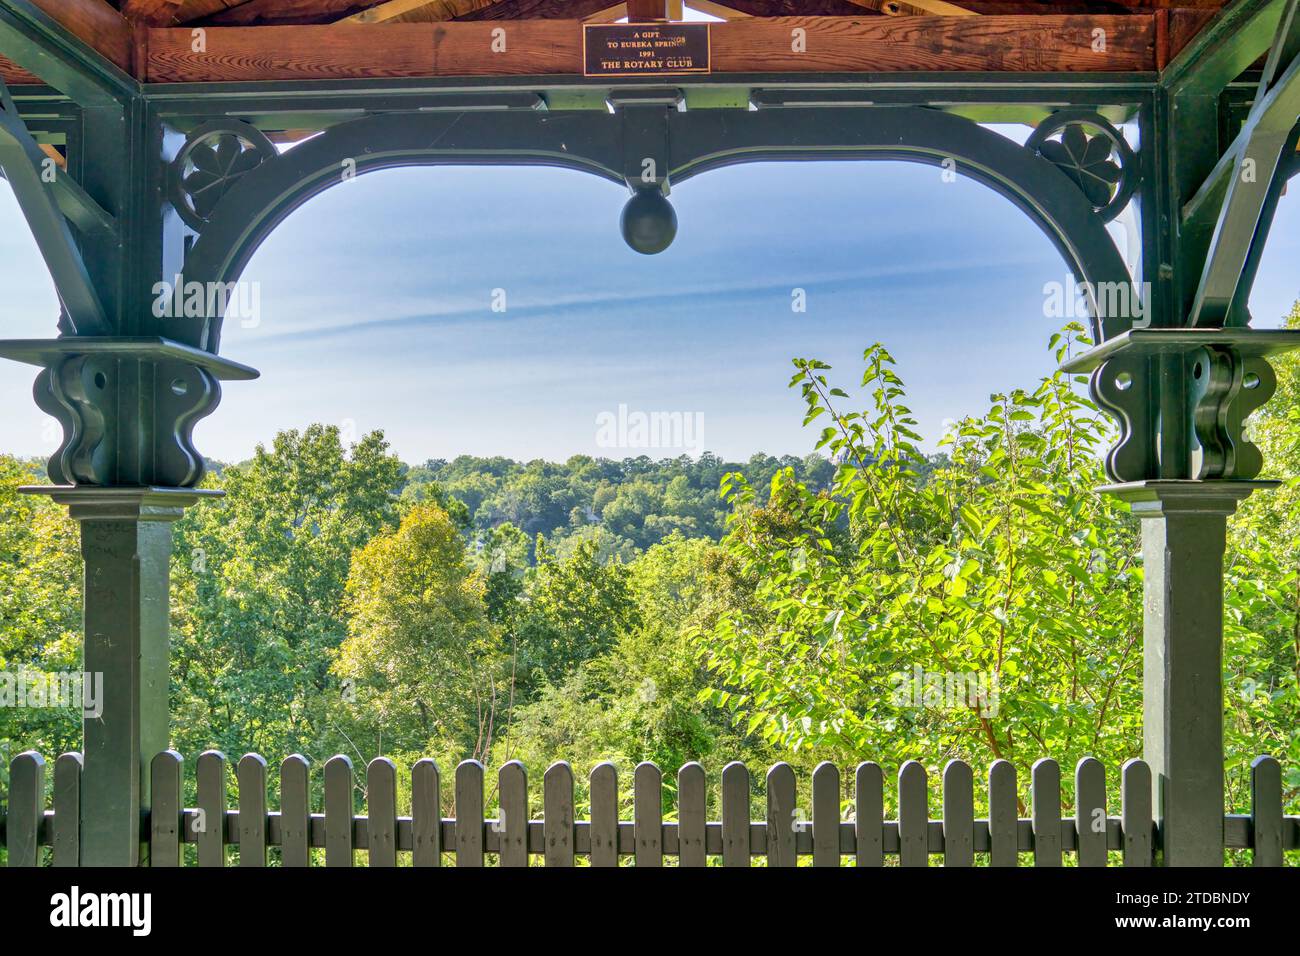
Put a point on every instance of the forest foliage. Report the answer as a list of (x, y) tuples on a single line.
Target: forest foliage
[(867, 601)]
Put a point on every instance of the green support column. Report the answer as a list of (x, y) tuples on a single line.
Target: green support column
[(1183, 539), (126, 542)]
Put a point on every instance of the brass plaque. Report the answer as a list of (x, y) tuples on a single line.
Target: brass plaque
[(644, 49)]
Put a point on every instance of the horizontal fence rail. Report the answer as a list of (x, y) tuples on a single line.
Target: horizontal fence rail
[(795, 825)]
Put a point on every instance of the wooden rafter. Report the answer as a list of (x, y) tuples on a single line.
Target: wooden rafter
[(416, 11), (542, 47), (721, 10), (153, 12), (539, 10), (914, 8), (276, 12), (95, 23)]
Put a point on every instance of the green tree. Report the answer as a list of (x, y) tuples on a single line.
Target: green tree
[(991, 611), (422, 663), (259, 579)]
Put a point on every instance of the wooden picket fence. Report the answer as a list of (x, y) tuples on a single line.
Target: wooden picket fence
[(787, 833)]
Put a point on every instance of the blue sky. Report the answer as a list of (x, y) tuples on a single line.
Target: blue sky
[(376, 307)]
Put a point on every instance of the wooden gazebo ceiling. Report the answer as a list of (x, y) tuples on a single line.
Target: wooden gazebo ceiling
[(265, 40)]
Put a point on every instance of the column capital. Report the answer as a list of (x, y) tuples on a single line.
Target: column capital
[(1158, 498), (118, 503)]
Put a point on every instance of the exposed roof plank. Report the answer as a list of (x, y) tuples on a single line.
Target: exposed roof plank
[(14, 75), (913, 8), (281, 12), (417, 11), (539, 10), (95, 24), (192, 10), (835, 44), (153, 12), (723, 10)]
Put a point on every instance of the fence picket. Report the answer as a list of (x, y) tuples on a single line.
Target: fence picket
[(1266, 811), (958, 814), (826, 814), (913, 815), (338, 811), (512, 820), (1090, 812), (26, 808), (381, 812), (210, 818), (165, 809), (295, 811), (692, 802), (735, 814), (604, 814), (648, 814), (251, 774), (557, 814), (785, 819), (869, 813), (1045, 791), (1004, 838), (1135, 811), (67, 811), (426, 814), (469, 813)]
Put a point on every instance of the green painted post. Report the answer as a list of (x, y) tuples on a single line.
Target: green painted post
[(126, 542), (1183, 537)]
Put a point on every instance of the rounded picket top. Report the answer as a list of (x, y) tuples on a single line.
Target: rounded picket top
[(735, 814), (1137, 822), (1090, 818), (1266, 813), (780, 773), (381, 766), (426, 813), (26, 761), (164, 758), (559, 768), (295, 811), (913, 815), (1045, 811), (468, 769), (66, 840), (295, 760), (251, 760), (869, 813), (958, 814), (557, 814), (26, 808), (957, 773), (692, 798), (603, 772)]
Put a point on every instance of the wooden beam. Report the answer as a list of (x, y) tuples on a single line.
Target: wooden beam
[(647, 10), (539, 10), (834, 44), (95, 24), (11, 74), (191, 10), (914, 8), (721, 10), (155, 13), (277, 12), (416, 11)]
